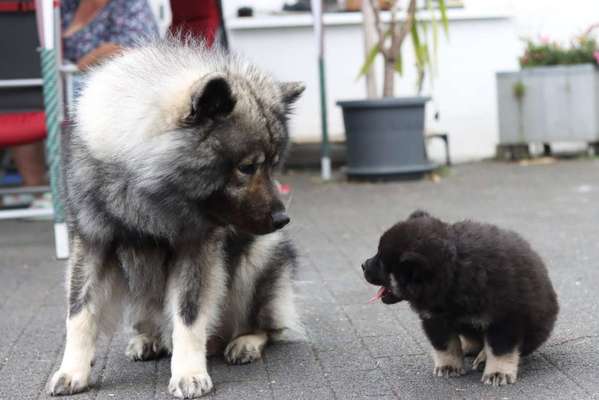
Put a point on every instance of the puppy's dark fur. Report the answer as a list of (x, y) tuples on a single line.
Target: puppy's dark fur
[(475, 286)]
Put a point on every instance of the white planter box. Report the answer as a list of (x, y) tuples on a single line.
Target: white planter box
[(557, 103)]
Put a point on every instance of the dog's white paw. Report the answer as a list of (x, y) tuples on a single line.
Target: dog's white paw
[(190, 386), (480, 359), (245, 349), (448, 371), (65, 383), (498, 378), (500, 370), (449, 362), (142, 348)]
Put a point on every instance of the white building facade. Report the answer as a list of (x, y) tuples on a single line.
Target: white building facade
[(484, 37)]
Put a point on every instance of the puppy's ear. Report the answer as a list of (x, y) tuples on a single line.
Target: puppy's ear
[(414, 268), (212, 97), (291, 91), (419, 214)]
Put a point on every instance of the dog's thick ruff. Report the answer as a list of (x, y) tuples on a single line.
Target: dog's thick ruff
[(172, 212), (478, 289)]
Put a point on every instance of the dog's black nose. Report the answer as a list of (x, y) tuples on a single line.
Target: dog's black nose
[(279, 219), (366, 265), (372, 271)]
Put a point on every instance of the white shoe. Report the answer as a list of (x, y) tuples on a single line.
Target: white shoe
[(17, 200), (43, 202)]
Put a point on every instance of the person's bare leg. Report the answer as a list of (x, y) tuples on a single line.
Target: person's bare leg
[(30, 161)]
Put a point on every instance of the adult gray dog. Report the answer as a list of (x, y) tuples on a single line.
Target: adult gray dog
[(172, 211)]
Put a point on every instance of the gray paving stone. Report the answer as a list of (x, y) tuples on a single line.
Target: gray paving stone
[(221, 372), (352, 350), (373, 320), (327, 323), (349, 289), (412, 378), (123, 378), (243, 390), (395, 345), (308, 393), (360, 385), (349, 356), (313, 292), (295, 374), (280, 352), (578, 359)]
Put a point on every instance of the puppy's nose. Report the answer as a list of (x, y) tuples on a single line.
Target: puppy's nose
[(367, 264), (279, 219)]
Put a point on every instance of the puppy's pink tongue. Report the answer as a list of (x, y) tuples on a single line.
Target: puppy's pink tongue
[(378, 295)]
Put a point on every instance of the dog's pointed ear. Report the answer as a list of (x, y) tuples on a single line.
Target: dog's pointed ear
[(211, 98), (291, 91), (419, 214)]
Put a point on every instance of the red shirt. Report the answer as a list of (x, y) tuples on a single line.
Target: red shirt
[(198, 17)]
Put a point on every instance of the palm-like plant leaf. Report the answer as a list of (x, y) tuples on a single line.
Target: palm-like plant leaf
[(426, 57), (434, 24), (370, 57), (444, 19), (399, 65), (415, 35)]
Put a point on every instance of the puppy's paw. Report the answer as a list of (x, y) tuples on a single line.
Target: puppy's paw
[(500, 370), (449, 362), (190, 386), (448, 370), (480, 359), (65, 383), (142, 348), (245, 349), (498, 378)]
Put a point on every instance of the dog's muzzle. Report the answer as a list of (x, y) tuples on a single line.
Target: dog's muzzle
[(373, 273)]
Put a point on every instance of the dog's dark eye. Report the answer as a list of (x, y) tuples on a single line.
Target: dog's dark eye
[(248, 169)]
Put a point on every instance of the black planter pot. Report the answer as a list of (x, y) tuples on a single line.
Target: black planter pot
[(385, 138)]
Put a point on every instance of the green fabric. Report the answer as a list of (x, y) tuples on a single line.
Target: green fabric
[(52, 104)]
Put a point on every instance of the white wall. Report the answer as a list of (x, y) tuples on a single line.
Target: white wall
[(230, 6), (558, 19), (464, 91)]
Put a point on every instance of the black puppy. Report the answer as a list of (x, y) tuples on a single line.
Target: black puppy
[(478, 289)]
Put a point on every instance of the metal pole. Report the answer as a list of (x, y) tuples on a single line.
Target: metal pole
[(325, 160), (325, 151), (50, 59)]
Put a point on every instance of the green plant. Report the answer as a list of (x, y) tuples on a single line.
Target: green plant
[(582, 50), (391, 40)]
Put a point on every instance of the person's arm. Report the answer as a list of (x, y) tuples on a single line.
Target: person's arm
[(132, 21), (97, 55)]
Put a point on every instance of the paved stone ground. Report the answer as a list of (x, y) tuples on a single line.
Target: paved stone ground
[(353, 350)]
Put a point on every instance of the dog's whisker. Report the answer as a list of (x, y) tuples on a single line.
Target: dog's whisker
[(288, 205)]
